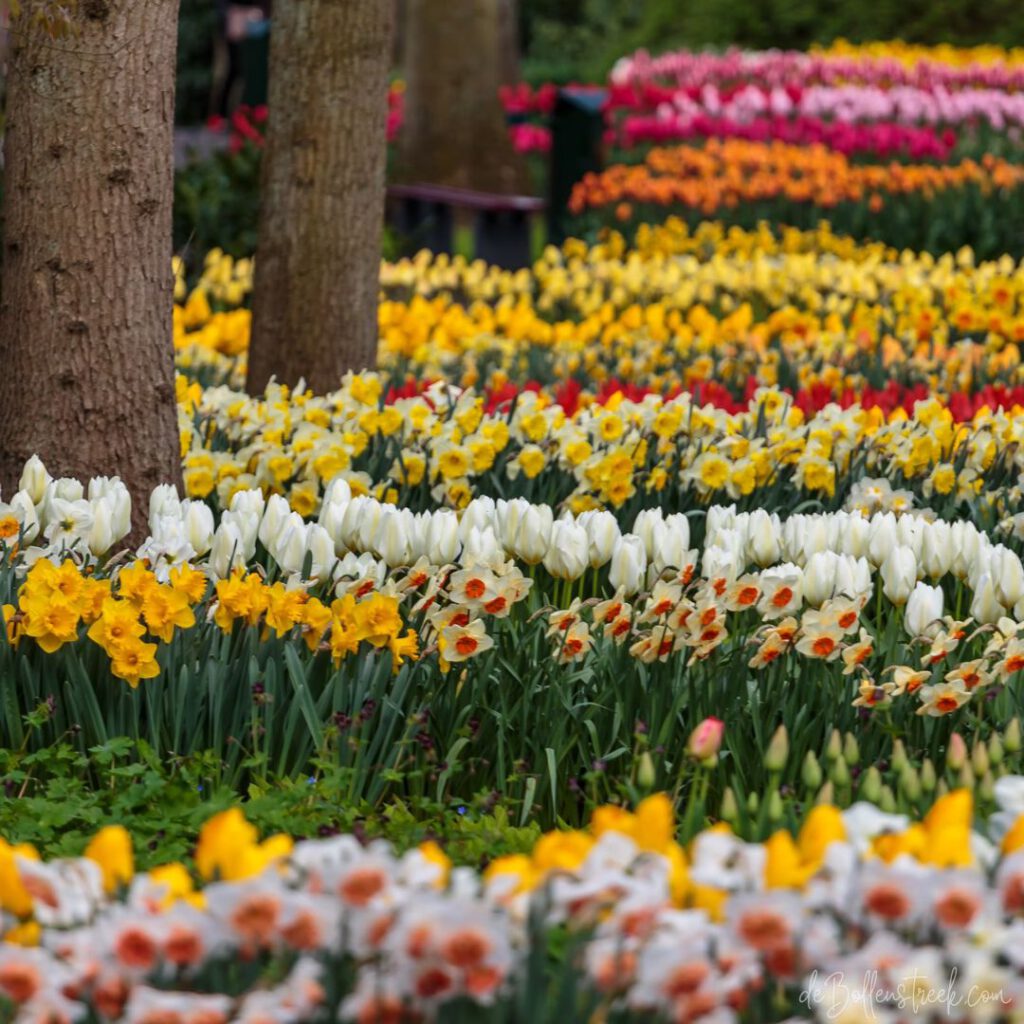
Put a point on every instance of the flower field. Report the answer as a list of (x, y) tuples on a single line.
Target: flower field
[(642, 639)]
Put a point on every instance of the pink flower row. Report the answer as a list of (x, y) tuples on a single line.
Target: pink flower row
[(996, 108), (790, 67), (883, 139)]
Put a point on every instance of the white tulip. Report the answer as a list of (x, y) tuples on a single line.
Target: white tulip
[(119, 503), (602, 533), (985, 606), (533, 534), (764, 540), (507, 515), (899, 574), (288, 545), (849, 576), (320, 546), (275, 516), (669, 548), (966, 544), (863, 580), (815, 538), (34, 479), (480, 512), (1007, 575), (680, 522), (197, 520), (163, 501), (792, 538), (391, 540), (855, 535), (369, 522), (937, 549), (101, 535), (910, 533), (227, 551), (338, 492), (819, 579), (332, 516), (349, 530), (248, 502), (69, 489), (719, 517), (720, 563), (628, 564), (482, 547), (568, 554), (442, 537), (881, 538), (247, 524), (643, 527), (923, 611)]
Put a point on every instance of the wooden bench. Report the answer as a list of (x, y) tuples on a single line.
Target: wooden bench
[(501, 223)]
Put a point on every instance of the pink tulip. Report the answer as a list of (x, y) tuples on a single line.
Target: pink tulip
[(706, 740)]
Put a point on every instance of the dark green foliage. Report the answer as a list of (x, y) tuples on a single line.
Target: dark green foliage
[(581, 39), (197, 29)]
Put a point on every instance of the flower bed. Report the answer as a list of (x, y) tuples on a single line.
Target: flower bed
[(618, 920)]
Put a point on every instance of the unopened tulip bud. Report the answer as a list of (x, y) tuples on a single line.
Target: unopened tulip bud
[(956, 752), (851, 752), (752, 803), (941, 789), (706, 740), (826, 795), (886, 800), (910, 783), (995, 749), (645, 771), (927, 774), (775, 809), (835, 746), (729, 810), (810, 772), (966, 778), (1011, 736), (839, 772), (871, 785), (34, 479), (778, 750), (979, 758), (899, 756), (987, 787)]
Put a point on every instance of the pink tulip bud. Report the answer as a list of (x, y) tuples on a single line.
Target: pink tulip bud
[(706, 740), (956, 752)]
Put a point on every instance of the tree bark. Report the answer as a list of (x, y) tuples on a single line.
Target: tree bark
[(322, 202), (85, 307), (454, 130), (508, 40)]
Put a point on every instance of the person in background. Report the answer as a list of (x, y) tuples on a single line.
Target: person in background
[(234, 21)]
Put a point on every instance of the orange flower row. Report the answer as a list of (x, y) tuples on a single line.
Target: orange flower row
[(726, 173)]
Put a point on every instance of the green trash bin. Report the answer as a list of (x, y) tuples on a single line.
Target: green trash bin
[(255, 56), (577, 148)]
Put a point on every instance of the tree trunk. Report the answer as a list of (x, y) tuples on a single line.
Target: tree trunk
[(322, 202), (85, 307), (454, 130), (508, 40)]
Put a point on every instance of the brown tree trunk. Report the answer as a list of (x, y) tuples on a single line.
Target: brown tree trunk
[(508, 40), (85, 306), (454, 130), (398, 37), (322, 202)]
